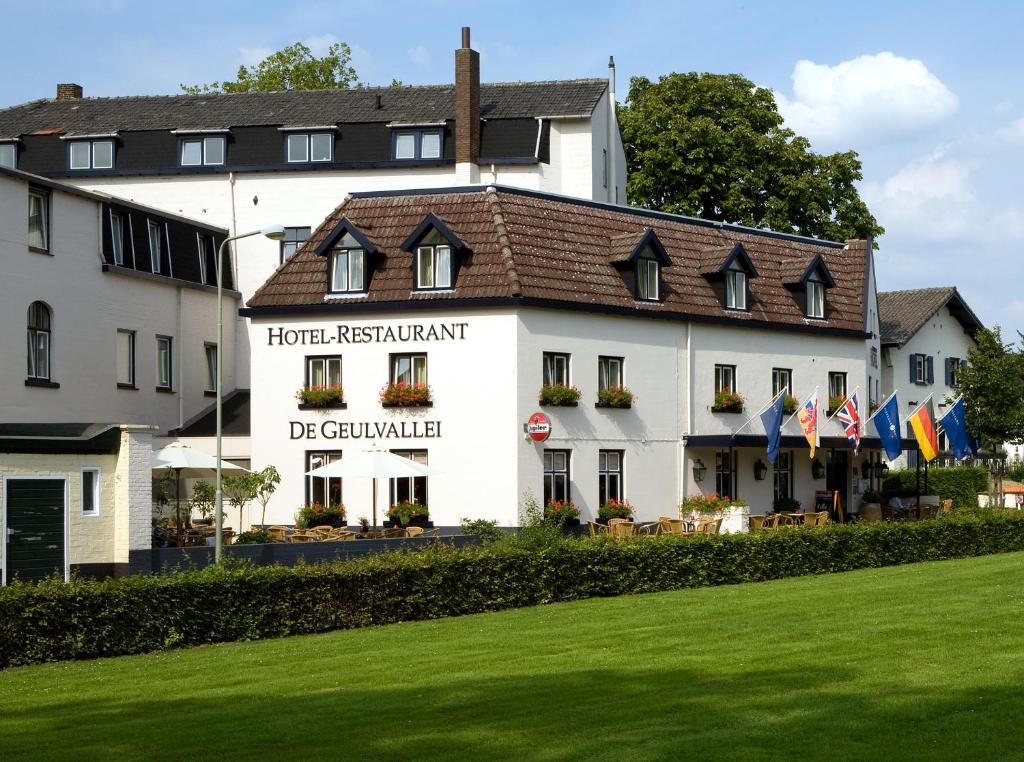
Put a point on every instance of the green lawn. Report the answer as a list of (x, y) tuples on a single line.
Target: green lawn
[(912, 662)]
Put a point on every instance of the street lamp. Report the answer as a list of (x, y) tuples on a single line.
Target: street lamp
[(274, 233)]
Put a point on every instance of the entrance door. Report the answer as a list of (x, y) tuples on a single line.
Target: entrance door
[(35, 522), (837, 476)]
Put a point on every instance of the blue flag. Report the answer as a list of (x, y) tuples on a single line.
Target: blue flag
[(955, 426), (771, 417), (887, 424)]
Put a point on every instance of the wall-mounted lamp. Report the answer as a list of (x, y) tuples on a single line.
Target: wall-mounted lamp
[(817, 469), (881, 470), (865, 469), (699, 470), (760, 470)]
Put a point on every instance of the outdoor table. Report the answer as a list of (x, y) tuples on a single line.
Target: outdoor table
[(795, 518)]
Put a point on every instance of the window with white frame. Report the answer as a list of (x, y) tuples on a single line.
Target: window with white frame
[(783, 474), (38, 219), (815, 295), (782, 379), (9, 155), (417, 144), (91, 154), (725, 379), (325, 490), (323, 371), (205, 254), (648, 277), (609, 373), (348, 267), (408, 369), (305, 147), (156, 238), (556, 369), (434, 266), (39, 342), (556, 475), (735, 287), (954, 364), (125, 358), (164, 363), (725, 470), (293, 239), (409, 489), (836, 384), (210, 352), (874, 357), (117, 238), (205, 151), (609, 475), (90, 492)]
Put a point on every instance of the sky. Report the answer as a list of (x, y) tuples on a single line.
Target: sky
[(928, 93)]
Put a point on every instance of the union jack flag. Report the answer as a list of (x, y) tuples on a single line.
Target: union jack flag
[(849, 416)]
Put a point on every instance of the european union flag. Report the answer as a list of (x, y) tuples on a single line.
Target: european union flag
[(771, 417), (887, 424), (955, 425)]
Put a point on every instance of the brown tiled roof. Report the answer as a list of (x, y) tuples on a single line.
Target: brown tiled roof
[(711, 259), (556, 249), (623, 245), (902, 313), (792, 270)]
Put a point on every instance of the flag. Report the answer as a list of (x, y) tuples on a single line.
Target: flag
[(849, 416), (924, 430), (955, 426), (771, 417), (887, 424), (808, 417)]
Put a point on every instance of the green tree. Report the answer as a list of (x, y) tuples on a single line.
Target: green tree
[(240, 489), (993, 387), (264, 486), (291, 68), (714, 146), (203, 499)]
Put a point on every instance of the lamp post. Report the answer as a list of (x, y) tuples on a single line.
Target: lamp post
[(274, 233)]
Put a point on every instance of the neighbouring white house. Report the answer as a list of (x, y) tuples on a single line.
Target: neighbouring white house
[(927, 334), (486, 295)]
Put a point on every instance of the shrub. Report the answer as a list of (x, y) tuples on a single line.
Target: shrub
[(315, 515), (789, 404), (320, 396), (615, 396), (705, 503), (405, 395), (53, 621), (727, 401), (559, 511), (559, 395), (834, 403), (486, 529), (785, 505), (403, 511), (615, 509), (254, 537), (962, 484)]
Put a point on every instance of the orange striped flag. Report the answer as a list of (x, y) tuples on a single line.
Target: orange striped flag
[(924, 430)]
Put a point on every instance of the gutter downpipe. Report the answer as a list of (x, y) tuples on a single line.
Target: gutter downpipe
[(612, 131), (689, 410)]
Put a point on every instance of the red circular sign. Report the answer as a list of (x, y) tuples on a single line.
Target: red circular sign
[(538, 427)]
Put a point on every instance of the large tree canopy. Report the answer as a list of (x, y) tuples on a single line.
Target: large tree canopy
[(993, 387), (291, 68), (714, 146)]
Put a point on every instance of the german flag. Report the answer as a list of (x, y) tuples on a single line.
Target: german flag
[(924, 430)]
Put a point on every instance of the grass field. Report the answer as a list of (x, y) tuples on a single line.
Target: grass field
[(912, 662)]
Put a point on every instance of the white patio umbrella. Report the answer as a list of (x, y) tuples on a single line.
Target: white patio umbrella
[(373, 464), (188, 462)]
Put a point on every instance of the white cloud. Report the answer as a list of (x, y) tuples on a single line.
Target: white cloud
[(1005, 106), (250, 56), (868, 99), (420, 55), (318, 44), (1014, 133)]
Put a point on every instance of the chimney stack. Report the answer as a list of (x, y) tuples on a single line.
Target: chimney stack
[(467, 111), (69, 91)]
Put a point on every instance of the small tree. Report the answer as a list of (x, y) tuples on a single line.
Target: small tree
[(239, 489), (264, 486), (203, 498)]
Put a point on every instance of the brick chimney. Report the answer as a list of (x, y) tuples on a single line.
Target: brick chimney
[(467, 112), (69, 91)]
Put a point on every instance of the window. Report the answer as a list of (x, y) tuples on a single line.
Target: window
[(783, 474), (409, 489), (117, 238), (556, 475), (953, 365), (90, 492), (205, 253), (348, 272), (434, 266), (556, 369), (609, 475), (874, 357), (38, 220), (604, 167), (648, 273), (155, 244), (9, 155), (417, 144), (325, 490), (609, 373), (126, 358), (91, 154), (837, 384), (725, 468), (408, 369), (735, 288), (163, 363), (782, 378), (725, 379), (305, 147), (39, 341), (293, 239), (323, 371), (197, 152), (211, 366), (815, 296), (921, 370)]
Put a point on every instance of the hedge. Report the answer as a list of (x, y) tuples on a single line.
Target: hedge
[(83, 619), (963, 484)]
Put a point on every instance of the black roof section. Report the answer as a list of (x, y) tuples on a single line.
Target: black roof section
[(50, 437), (235, 411)]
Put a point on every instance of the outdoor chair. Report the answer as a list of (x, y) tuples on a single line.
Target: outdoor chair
[(413, 531), (870, 513), (278, 533), (620, 529), (303, 537), (434, 532), (672, 526), (393, 532), (709, 526), (594, 529), (340, 534), (757, 523), (946, 507), (324, 531), (928, 512), (771, 522)]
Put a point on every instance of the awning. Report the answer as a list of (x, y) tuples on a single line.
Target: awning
[(789, 441)]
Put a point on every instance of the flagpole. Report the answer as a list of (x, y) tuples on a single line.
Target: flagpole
[(753, 417), (951, 406), (842, 405), (881, 407), (911, 415), (798, 407)]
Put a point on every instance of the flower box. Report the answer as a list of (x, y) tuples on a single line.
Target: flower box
[(406, 395), (329, 406), (315, 515), (408, 514), (615, 397), (727, 402), (789, 404), (559, 395), (561, 512), (834, 403), (615, 509), (317, 397)]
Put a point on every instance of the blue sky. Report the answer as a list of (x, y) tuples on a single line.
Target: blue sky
[(927, 92)]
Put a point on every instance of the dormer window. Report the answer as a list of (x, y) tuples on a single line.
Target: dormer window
[(434, 265), (813, 278), (436, 255), (203, 151), (91, 154), (735, 287), (648, 277), (348, 266), (815, 288), (639, 257), (9, 155), (416, 143), (305, 147), (730, 270)]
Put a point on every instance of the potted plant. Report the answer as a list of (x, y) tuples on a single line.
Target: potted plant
[(317, 514), (834, 403), (202, 500), (406, 395), (317, 397), (615, 396), (559, 395), (562, 513), (785, 505), (699, 504), (728, 401), (615, 509), (407, 513), (789, 404)]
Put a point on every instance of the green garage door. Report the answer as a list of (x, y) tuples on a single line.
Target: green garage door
[(35, 528)]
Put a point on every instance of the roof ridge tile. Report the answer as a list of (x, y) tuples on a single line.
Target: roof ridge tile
[(494, 206)]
